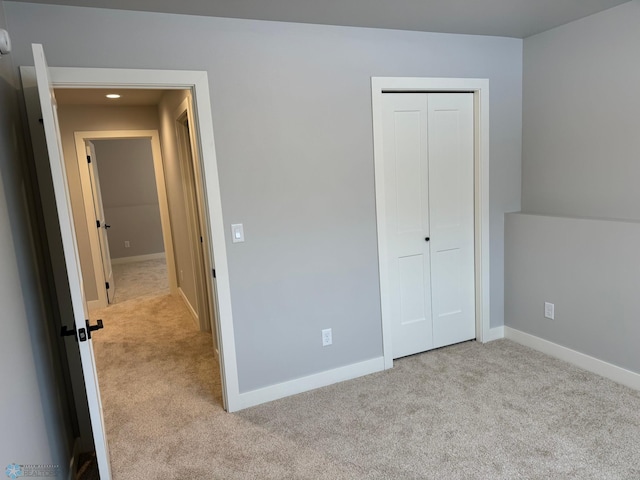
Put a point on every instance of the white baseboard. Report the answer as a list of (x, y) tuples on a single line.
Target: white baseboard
[(192, 311), (95, 304), (304, 384), (137, 258), (495, 333), (591, 364)]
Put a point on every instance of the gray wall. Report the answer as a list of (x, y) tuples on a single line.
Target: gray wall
[(589, 270), (75, 118), (183, 254), (580, 117), (292, 117), (129, 196), (34, 414), (580, 158)]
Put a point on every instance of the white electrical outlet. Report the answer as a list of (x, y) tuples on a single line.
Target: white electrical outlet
[(326, 337), (127, 244), (549, 310)]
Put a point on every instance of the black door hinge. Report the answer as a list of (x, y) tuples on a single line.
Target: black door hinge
[(214, 272), (88, 159), (107, 284), (98, 223), (200, 238)]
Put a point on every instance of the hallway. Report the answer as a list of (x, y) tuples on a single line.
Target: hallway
[(137, 279), (157, 373)]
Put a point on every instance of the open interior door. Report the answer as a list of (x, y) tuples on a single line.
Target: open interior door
[(72, 262), (102, 224)]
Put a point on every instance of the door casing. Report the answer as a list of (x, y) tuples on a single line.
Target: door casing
[(153, 136), (480, 88), (197, 82)]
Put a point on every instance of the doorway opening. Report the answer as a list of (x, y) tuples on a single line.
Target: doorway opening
[(55, 188), (125, 197), (140, 191)]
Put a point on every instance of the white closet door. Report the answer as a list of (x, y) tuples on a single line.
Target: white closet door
[(407, 207), (451, 192), (428, 157)]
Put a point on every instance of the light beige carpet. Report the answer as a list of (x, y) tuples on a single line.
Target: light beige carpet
[(498, 411), (138, 279)]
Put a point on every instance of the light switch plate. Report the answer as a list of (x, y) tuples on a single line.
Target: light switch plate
[(237, 233)]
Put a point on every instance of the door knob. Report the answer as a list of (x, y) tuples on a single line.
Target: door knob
[(93, 328), (106, 226)]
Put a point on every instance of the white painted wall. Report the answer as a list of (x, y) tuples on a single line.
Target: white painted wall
[(75, 118), (36, 424), (580, 158), (580, 117), (292, 117), (589, 270)]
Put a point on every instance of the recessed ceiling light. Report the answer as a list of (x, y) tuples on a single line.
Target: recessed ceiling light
[(113, 95)]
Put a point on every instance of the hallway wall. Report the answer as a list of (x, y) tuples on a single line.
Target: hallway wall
[(184, 255), (129, 196)]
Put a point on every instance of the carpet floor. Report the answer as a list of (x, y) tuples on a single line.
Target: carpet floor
[(470, 411), (139, 279)]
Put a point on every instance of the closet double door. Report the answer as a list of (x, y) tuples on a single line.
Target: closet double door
[(428, 141)]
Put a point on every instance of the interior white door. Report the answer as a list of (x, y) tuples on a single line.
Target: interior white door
[(428, 156), (451, 191), (67, 231), (407, 197), (101, 219)]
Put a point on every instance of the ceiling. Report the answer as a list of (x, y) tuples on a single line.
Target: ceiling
[(97, 96), (508, 18)]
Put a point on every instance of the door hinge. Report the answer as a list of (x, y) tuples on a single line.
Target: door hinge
[(214, 272), (88, 159), (107, 284), (200, 238), (98, 223)]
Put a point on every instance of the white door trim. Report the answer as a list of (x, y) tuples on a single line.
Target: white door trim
[(198, 83), (480, 89), (80, 139)]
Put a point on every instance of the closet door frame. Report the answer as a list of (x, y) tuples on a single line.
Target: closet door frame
[(480, 89)]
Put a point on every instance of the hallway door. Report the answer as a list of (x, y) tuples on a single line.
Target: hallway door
[(81, 326), (101, 222)]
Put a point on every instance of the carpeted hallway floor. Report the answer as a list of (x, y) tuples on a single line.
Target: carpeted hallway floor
[(138, 279), (498, 411)]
